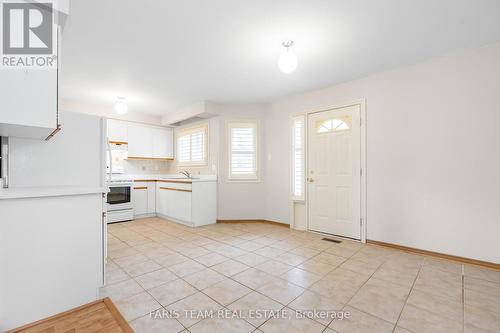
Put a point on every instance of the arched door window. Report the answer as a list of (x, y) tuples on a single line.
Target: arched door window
[(333, 125)]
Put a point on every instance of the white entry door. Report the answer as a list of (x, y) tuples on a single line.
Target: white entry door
[(334, 162)]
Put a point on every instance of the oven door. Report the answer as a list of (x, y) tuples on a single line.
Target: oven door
[(119, 197)]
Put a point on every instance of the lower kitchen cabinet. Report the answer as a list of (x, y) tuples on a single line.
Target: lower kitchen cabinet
[(192, 204), (54, 260), (144, 198)]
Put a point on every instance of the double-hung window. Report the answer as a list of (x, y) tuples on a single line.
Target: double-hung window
[(298, 157), (192, 146), (242, 138)]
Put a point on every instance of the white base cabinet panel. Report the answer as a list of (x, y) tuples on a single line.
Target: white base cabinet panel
[(51, 256), (193, 204), (144, 199), (204, 199)]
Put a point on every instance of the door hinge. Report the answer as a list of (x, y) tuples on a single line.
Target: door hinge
[(361, 222), (361, 172), (360, 122)]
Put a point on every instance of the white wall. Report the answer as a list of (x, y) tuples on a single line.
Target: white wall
[(239, 200), (74, 156), (432, 153)]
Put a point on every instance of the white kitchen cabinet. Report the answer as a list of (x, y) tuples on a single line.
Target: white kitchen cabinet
[(140, 199), (150, 142), (117, 131), (56, 256), (140, 144), (161, 201), (190, 203), (151, 198), (174, 200), (182, 206), (163, 139), (179, 205), (35, 116), (144, 198), (29, 103)]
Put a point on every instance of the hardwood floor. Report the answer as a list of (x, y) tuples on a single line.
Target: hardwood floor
[(98, 316)]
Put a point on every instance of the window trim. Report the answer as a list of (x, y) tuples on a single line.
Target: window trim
[(188, 131), (243, 123), (302, 197)]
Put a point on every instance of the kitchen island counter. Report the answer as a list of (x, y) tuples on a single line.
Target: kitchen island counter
[(48, 191)]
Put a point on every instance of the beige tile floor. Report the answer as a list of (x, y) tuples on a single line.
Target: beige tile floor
[(236, 269)]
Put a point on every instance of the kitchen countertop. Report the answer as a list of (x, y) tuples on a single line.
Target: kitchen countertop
[(55, 191), (48, 191), (165, 177)]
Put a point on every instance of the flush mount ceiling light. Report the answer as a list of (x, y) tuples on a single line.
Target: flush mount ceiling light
[(288, 60), (120, 105)]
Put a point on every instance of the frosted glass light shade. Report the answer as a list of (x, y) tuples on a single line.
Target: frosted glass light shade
[(120, 106), (287, 62)]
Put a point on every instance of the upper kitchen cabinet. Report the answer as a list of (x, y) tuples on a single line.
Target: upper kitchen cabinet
[(140, 143), (117, 131), (163, 142), (29, 107), (150, 142), (29, 91)]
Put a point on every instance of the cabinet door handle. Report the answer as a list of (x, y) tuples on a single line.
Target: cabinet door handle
[(140, 188), (174, 189), (54, 132)]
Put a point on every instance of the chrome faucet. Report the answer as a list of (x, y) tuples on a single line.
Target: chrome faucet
[(185, 173)]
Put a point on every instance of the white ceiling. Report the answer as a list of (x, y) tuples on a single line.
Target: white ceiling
[(162, 55)]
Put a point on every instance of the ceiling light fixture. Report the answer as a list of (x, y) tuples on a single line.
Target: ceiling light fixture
[(120, 105), (288, 60)]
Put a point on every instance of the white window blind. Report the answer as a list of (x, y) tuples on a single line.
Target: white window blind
[(243, 161), (192, 146), (298, 157)]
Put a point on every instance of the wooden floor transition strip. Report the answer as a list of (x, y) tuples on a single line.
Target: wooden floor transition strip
[(253, 221), (463, 260), (96, 317)]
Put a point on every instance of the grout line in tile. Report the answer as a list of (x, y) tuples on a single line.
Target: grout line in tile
[(347, 303), (183, 232), (407, 297)]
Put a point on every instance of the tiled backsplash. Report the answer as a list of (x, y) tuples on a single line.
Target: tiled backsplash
[(146, 166), (141, 167), (122, 165), (195, 170)]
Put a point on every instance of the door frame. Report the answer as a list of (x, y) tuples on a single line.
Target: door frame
[(363, 174)]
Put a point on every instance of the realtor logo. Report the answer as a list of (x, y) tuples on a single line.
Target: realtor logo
[(28, 35)]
